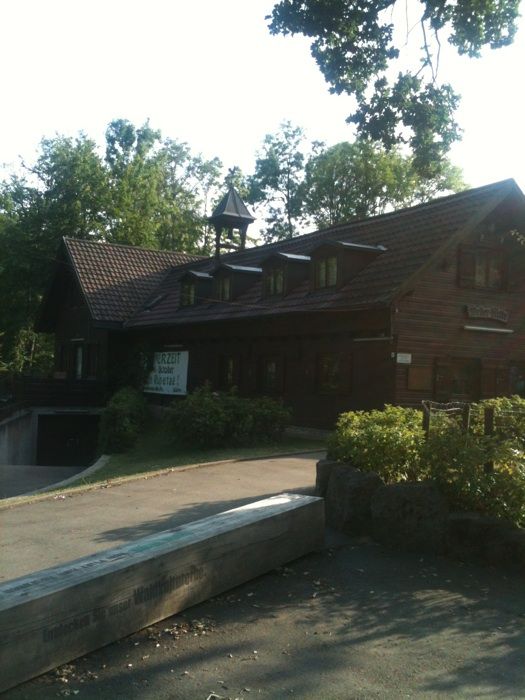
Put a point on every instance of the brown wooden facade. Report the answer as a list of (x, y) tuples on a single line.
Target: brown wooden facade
[(428, 303), (319, 365), (466, 336)]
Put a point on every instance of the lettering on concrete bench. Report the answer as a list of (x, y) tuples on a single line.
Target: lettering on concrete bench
[(53, 616), (142, 594)]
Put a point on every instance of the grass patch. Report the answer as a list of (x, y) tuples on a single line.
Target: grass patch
[(155, 451)]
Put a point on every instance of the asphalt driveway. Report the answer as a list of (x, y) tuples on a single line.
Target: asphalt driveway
[(16, 479), (68, 526), (353, 621)]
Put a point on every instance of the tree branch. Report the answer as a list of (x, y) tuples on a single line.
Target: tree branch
[(427, 50)]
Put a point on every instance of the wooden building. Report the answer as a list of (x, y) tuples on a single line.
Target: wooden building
[(426, 302)]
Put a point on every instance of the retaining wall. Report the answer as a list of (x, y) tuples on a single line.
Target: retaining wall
[(18, 439)]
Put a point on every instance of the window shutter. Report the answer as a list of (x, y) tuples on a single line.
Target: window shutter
[(442, 379), (467, 267), (515, 270)]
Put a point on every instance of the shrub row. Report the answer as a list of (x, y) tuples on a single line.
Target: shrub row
[(122, 420), (480, 473), (211, 419)]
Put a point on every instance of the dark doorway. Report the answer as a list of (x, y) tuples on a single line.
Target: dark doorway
[(66, 440)]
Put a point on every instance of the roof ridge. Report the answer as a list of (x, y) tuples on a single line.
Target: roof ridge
[(372, 219), (472, 191), (68, 239)]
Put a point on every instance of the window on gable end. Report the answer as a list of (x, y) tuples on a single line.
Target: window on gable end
[(481, 268)]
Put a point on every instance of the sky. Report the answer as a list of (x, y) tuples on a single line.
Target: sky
[(208, 72)]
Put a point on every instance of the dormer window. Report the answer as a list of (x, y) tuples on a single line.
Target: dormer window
[(232, 281), (188, 294), (326, 272), (274, 281), (335, 263), (225, 288), (283, 272)]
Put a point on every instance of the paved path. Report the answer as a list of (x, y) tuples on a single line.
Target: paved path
[(16, 479), (355, 621), (42, 534)]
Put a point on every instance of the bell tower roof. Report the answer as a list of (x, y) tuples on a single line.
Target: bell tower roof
[(231, 211), (231, 216)]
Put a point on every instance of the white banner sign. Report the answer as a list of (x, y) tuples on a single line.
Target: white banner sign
[(169, 374)]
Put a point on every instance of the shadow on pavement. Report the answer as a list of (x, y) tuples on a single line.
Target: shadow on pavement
[(185, 514), (354, 621)]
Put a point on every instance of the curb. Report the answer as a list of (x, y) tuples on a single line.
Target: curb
[(41, 495), (100, 462)]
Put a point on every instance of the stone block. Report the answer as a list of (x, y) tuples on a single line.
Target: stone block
[(348, 497), (486, 540), (411, 516)]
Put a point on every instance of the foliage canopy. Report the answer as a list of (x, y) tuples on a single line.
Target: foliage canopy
[(143, 190), (356, 48)]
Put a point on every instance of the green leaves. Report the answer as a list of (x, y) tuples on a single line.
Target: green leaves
[(423, 110), (353, 45), (277, 181), (387, 442), (144, 191), (361, 179), (392, 444)]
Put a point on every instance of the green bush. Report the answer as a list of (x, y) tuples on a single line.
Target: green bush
[(480, 473), (211, 419), (485, 474), (122, 420), (387, 442), (509, 417)]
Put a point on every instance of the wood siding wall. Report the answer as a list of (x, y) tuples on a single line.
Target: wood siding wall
[(429, 324), (73, 322), (296, 345)]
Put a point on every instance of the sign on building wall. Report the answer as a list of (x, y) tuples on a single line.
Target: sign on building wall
[(169, 374), (404, 358)]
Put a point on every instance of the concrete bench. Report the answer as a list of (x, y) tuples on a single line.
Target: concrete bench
[(53, 616)]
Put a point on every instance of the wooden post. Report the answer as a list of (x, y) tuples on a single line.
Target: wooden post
[(465, 417), (426, 420), (488, 429), (53, 616)]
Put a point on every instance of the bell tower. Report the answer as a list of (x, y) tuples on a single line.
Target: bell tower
[(230, 217)]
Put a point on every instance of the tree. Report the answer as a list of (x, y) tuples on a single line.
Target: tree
[(157, 189), (361, 179), (355, 47), (143, 191), (277, 181)]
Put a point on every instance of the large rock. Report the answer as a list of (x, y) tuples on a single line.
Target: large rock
[(412, 516), (473, 537), (348, 498)]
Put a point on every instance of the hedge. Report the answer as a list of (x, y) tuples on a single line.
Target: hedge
[(211, 419), (478, 473), (122, 420)]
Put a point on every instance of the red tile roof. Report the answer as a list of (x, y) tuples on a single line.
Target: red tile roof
[(117, 279), (411, 237)]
